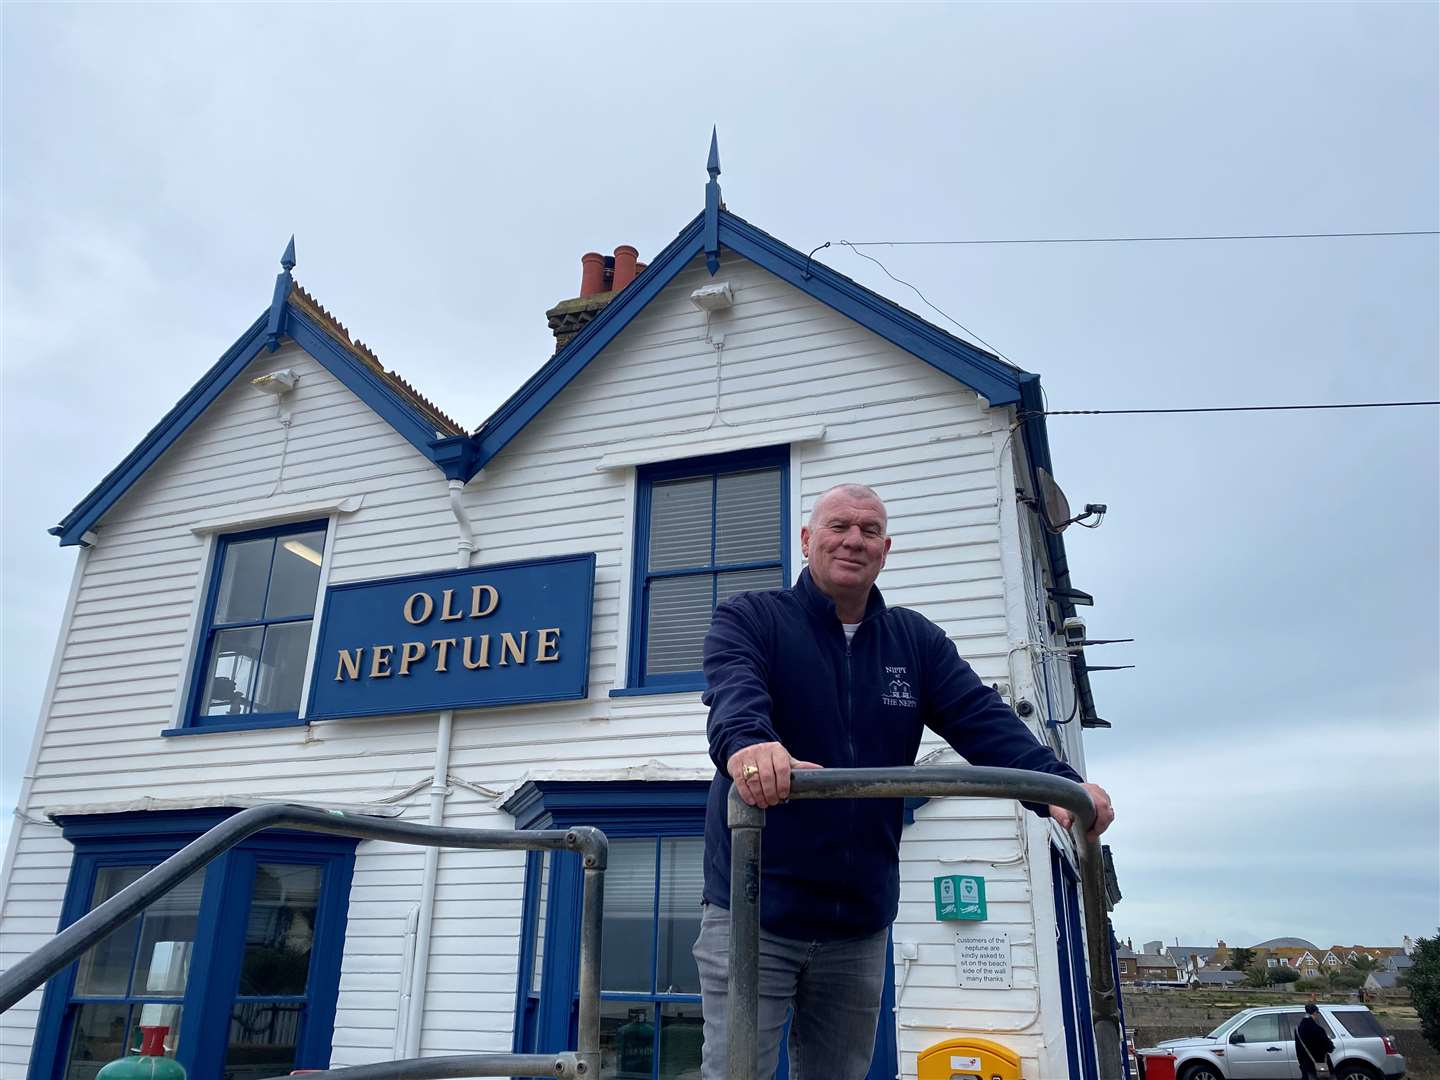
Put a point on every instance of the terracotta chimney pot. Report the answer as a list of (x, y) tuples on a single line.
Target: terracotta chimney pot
[(592, 273), (625, 256)]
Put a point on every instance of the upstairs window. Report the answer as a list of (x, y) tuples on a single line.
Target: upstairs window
[(707, 529), (258, 620)]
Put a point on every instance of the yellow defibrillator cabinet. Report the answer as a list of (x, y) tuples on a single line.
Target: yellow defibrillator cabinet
[(968, 1059)]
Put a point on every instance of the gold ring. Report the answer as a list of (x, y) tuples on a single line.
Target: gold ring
[(751, 769)]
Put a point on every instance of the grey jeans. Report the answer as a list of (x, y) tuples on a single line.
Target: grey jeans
[(833, 986)]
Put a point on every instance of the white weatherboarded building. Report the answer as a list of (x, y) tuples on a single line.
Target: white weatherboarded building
[(681, 448)]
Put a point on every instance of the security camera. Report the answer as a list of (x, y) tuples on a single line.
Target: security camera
[(1074, 631)]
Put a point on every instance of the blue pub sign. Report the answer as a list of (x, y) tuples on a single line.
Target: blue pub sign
[(458, 639)]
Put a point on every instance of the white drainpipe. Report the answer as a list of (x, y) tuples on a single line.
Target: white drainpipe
[(439, 788)]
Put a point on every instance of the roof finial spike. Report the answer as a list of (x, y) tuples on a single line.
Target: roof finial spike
[(713, 165), (287, 261)]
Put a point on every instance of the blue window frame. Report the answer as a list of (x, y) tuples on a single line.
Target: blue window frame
[(1074, 982), (649, 990), (241, 962), (258, 616), (705, 529)]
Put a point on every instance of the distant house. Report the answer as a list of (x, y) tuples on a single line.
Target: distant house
[(1191, 958), (1398, 963), (1217, 978), (1125, 958), (1155, 967), (1382, 980)]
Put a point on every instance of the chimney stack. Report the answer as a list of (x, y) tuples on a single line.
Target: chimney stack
[(602, 278)]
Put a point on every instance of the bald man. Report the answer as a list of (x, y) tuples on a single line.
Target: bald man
[(824, 674)]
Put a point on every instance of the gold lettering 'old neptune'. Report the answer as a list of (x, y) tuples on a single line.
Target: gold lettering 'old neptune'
[(474, 651)]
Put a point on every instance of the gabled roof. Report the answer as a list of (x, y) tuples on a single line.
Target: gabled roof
[(998, 382), (295, 314)]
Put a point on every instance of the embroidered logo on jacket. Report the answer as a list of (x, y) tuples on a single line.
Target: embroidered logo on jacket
[(897, 689)]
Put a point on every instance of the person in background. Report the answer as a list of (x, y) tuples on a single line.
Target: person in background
[(825, 674), (1312, 1043)]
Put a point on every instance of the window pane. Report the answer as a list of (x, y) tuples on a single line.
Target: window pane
[(738, 581), (99, 1039), (680, 513), (167, 939), (542, 911), (232, 666), (680, 611), (1262, 1028), (295, 575), (281, 929), (681, 1034), (627, 1040), (682, 876), (629, 932), (282, 668), (747, 516), (242, 581), (105, 967), (262, 1041), (1360, 1023)]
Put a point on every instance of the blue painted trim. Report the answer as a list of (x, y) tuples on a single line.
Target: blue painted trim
[(770, 457), (690, 686), (540, 389), (283, 281), (148, 837), (159, 439), (529, 926), (997, 381), (191, 723), (1036, 440), (220, 729), (987, 375), (338, 361)]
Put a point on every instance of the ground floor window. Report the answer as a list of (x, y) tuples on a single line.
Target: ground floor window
[(650, 1021), (239, 964)]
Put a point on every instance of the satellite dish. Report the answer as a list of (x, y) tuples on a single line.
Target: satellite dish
[(1056, 507)]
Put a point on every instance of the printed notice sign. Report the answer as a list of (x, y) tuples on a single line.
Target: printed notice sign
[(982, 960)]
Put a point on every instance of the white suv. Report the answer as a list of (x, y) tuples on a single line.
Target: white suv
[(1259, 1044)]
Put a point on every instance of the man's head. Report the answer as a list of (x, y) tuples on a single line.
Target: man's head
[(846, 542), (1312, 1008)]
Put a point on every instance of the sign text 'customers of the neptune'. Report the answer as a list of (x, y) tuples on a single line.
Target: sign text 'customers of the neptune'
[(458, 639)]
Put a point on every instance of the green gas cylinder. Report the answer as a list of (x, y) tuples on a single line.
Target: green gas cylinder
[(150, 1064)]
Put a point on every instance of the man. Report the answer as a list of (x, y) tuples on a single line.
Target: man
[(1312, 1042), (824, 674)]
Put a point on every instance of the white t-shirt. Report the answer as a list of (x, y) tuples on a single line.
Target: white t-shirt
[(850, 628)]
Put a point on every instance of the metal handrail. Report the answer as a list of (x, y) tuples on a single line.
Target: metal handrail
[(746, 823), (590, 843)]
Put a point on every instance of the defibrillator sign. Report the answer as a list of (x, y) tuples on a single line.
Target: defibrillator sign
[(960, 897)]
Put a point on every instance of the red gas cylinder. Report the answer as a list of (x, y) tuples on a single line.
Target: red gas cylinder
[(1158, 1066)]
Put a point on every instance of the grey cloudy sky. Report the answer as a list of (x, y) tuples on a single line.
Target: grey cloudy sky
[(1274, 755)]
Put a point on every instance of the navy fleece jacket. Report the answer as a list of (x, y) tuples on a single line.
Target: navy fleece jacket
[(778, 668)]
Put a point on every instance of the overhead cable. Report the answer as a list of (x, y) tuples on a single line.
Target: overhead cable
[(1232, 408), (1142, 239)]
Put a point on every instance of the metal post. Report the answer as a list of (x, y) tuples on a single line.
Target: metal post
[(935, 780), (745, 823), (592, 914)]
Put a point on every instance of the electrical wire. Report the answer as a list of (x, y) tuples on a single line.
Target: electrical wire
[(1140, 239), (924, 299), (1230, 408)]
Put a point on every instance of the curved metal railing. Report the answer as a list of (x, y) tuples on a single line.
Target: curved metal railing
[(589, 843), (746, 823)]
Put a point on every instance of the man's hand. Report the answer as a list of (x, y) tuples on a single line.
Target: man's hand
[(1104, 811), (762, 773)]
